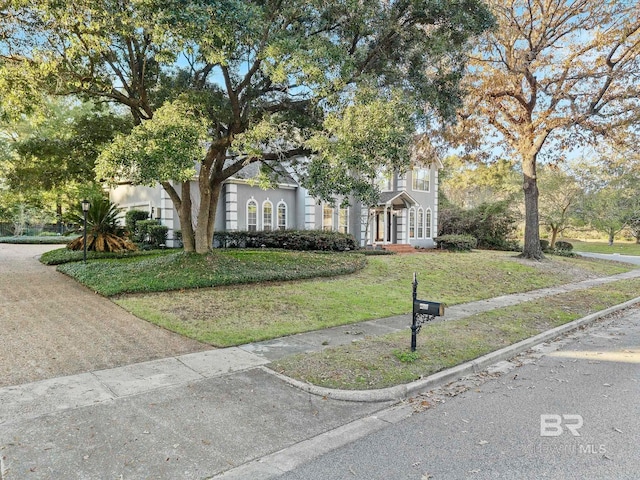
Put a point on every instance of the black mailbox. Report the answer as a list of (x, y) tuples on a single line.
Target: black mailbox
[(425, 307), (423, 311)]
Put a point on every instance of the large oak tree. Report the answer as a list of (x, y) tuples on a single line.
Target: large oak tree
[(265, 80), (553, 75)]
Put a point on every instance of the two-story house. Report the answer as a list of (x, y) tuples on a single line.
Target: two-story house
[(405, 214)]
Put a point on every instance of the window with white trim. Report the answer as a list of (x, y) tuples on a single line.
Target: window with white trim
[(327, 217), (267, 216), (420, 179), (282, 216), (412, 222), (384, 180), (252, 215), (343, 220), (420, 223), (427, 223)]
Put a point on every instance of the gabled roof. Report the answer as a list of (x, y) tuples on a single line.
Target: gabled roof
[(251, 171), (396, 198)]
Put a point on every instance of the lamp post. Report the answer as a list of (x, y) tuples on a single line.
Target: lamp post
[(85, 210)]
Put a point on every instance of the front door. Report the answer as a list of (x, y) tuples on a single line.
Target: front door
[(388, 236)]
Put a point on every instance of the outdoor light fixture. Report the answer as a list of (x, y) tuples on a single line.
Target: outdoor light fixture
[(85, 210)]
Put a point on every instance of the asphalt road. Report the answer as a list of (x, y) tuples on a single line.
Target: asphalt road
[(613, 256), (494, 429)]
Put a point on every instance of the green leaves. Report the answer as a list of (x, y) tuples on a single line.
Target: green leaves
[(372, 131), (164, 148)]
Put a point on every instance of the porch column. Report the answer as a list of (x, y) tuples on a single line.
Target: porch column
[(385, 240)]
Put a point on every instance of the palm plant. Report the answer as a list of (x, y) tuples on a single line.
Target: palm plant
[(104, 234)]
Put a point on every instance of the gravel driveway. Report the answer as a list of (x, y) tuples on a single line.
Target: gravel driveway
[(51, 326)]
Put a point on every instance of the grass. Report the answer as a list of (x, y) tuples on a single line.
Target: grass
[(164, 271), (623, 248), (240, 314), (386, 360)]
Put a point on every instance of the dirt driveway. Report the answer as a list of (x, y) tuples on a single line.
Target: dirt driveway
[(50, 326)]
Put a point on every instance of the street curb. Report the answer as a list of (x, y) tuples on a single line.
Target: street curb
[(400, 392)]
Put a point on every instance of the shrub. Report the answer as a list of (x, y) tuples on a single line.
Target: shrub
[(131, 219), (458, 243), (544, 245), (287, 239), (104, 234), (152, 234), (142, 229), (157, 234), (492, 224), (565, 246)]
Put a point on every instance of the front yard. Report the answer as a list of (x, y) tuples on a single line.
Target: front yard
[(233, 315)]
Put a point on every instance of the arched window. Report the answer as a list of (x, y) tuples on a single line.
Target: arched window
[(427, 223), (282, 216), (267, 216), (420, 223), (252, 215), (412, 222)]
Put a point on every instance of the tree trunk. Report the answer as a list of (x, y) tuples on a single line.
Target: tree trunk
[(554, 236), (216, 189), (532, 248), (203, 241), (184, 213), (611, 237), (59, 216)]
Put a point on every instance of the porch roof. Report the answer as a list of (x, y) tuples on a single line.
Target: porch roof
[(396, 199)]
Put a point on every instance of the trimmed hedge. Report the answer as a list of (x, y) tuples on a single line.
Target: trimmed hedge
[(457, 243), (151, 233), (287, 239), (157, 234), (39, 240), (132, 217)]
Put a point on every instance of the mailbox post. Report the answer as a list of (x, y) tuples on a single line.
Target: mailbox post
[(423, 311)]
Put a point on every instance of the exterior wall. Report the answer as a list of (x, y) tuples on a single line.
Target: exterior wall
[(247, 192), (303, 211), (130, 197), (427, 201)]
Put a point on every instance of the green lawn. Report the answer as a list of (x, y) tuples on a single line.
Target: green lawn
[(386, 360), (233, 315), (623, 248)]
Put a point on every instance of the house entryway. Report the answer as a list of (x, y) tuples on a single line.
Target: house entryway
[(386, 229)]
